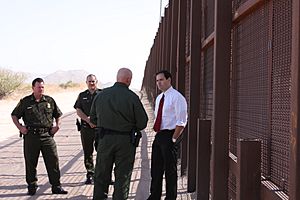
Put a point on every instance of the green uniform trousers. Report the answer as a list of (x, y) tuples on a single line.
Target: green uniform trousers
[(113, 149), (34, 143), (87, 140)]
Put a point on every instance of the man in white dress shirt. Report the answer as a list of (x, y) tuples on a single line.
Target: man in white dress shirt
[(171, 118)]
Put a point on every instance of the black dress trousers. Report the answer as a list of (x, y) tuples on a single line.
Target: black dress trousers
[(164, 160)]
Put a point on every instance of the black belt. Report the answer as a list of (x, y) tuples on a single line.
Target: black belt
[(167, 130), (38, 130), (114, 132), (84, 124)]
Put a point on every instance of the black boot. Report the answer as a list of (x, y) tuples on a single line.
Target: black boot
[(58, 190), (32, 190), (89, 180)]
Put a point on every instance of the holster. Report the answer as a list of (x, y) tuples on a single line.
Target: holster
[(135, 137), (78, 124)]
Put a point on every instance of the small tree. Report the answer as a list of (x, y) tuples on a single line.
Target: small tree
[(10, 81), (68, 84)]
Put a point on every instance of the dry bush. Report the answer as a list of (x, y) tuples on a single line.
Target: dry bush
[(10, 81), (50, 89), (58, 88), (68, 84)]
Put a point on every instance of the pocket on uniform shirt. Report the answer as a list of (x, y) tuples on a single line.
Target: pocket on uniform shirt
[(48, 112), (29, 113)]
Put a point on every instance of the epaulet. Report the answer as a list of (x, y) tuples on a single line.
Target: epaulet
[(26, 97), (47, 97), (85, 91)]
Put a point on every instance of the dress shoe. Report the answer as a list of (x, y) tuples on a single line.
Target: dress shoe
[(31, 191), (58, 190), (89, 180)]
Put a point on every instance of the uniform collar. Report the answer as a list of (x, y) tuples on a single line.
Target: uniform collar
[(88, 91), (119, 84), (43, 98)]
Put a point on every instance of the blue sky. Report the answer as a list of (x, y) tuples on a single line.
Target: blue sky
[(43, 36)]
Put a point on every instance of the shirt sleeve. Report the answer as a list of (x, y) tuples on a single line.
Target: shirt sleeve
[(56, 111), (78, 103), (181, 111), (18, 110)]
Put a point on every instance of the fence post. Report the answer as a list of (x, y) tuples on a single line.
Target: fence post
[(294, 167), (203, 159), (249, 169)]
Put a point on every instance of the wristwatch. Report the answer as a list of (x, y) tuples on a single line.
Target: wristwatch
[(173, 140)]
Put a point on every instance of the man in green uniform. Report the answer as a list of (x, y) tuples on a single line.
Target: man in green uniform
[(118, 112), (38, 111), (83, 106)]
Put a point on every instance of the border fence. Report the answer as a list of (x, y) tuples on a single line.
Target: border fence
[(237, 64)]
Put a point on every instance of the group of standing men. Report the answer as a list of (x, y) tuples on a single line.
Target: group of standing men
[(110, 121)]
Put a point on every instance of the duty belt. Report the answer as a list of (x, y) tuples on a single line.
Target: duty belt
[(38, 130), (106, 131), (85, 124)]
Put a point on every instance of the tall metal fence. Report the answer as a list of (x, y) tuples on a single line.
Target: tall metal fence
[(237, 64)]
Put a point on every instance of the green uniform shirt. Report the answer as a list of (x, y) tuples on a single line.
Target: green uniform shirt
[(37, 114), (118, 108), (84, 102)]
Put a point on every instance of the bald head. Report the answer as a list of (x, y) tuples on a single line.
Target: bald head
[(124, 76)]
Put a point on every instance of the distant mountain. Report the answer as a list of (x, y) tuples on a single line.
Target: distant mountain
[(58, 77), (31, 76), (61, 76)]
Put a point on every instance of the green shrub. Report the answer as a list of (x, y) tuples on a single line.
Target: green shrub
[(68, 84), (10, 81)]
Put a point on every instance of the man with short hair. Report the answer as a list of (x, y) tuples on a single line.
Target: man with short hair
[(83, 106), (38, 111), (118, 112), (171, 118)]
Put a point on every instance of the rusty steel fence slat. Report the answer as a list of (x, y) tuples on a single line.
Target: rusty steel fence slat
[(174, 36), (221, 98), (180, 73), (295, 92)]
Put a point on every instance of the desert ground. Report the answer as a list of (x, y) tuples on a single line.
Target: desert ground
[(65, 99)]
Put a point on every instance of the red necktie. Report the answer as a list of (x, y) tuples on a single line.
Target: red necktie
[(157, 123)]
